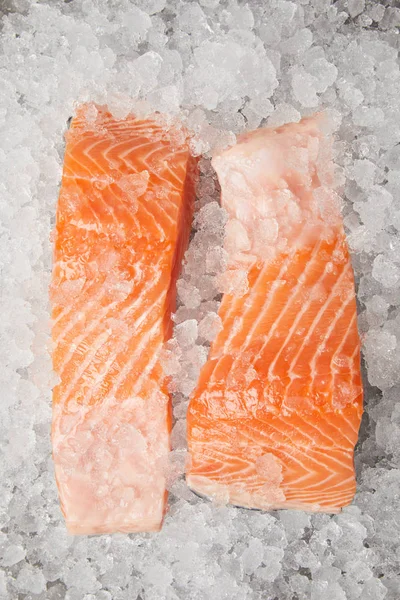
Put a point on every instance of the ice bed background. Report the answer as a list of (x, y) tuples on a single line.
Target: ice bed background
[(226, 66)]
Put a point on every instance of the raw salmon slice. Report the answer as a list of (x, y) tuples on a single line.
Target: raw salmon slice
[(275, 417), (123, 222)]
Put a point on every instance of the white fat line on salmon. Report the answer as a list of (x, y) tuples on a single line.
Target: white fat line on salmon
[(235, 330), (325, 495), (80, 307), (351, 426), (127, 312), (334, 367), (144, 160), (132, 308), (83, 196), (226, 458), (349, 299), (270, 439), (298, 287), (327, 422), (306, 305), (86, 331), (72, 164), (310, 472), (72, 308), (88, 150), (89, 355), (140, 348), (87, 410), (109, 363), (99, 198), (319, 431), (318, 316), (268, 302), (127, 148), (93, 302), (336, 371), (335, 475), (156, 217)]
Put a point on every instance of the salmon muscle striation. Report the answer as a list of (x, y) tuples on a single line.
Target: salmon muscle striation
[(276, 413), (123, 222)]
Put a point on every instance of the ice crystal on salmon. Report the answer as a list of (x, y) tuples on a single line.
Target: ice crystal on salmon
[(275, 416), (123, 221)]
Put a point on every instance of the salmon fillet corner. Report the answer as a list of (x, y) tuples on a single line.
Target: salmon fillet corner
[(123, 222), (275, 416)]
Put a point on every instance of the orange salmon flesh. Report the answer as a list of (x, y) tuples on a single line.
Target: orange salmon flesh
[(123, 222), (275, 416)]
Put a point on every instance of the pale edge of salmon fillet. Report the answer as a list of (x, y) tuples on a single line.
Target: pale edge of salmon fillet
[(123, 222), (274, 419)]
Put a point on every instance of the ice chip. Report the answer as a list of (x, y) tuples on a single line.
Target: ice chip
[(373, 589), (134, 185), (298, 43), (324, 73), (216, 259), (385, 271), (210, 326), (30, 580), (284, 113), (304, 88), (186, 333), (364, 173), (356, 7), (252, 556), (236, 239), (13, 555), (366, 116), (188, 294)]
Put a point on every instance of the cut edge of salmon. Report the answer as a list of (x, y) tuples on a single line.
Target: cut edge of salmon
[(209, 490), (146, 526)]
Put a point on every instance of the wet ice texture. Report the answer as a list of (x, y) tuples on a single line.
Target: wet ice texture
[(228, 65)]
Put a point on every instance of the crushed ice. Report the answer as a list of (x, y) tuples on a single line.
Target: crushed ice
[(226, 66)]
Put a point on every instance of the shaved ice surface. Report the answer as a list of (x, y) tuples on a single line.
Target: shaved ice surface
[(223, 66)]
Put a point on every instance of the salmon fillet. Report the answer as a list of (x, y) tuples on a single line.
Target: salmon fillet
[(275, 416), (123, 221)]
